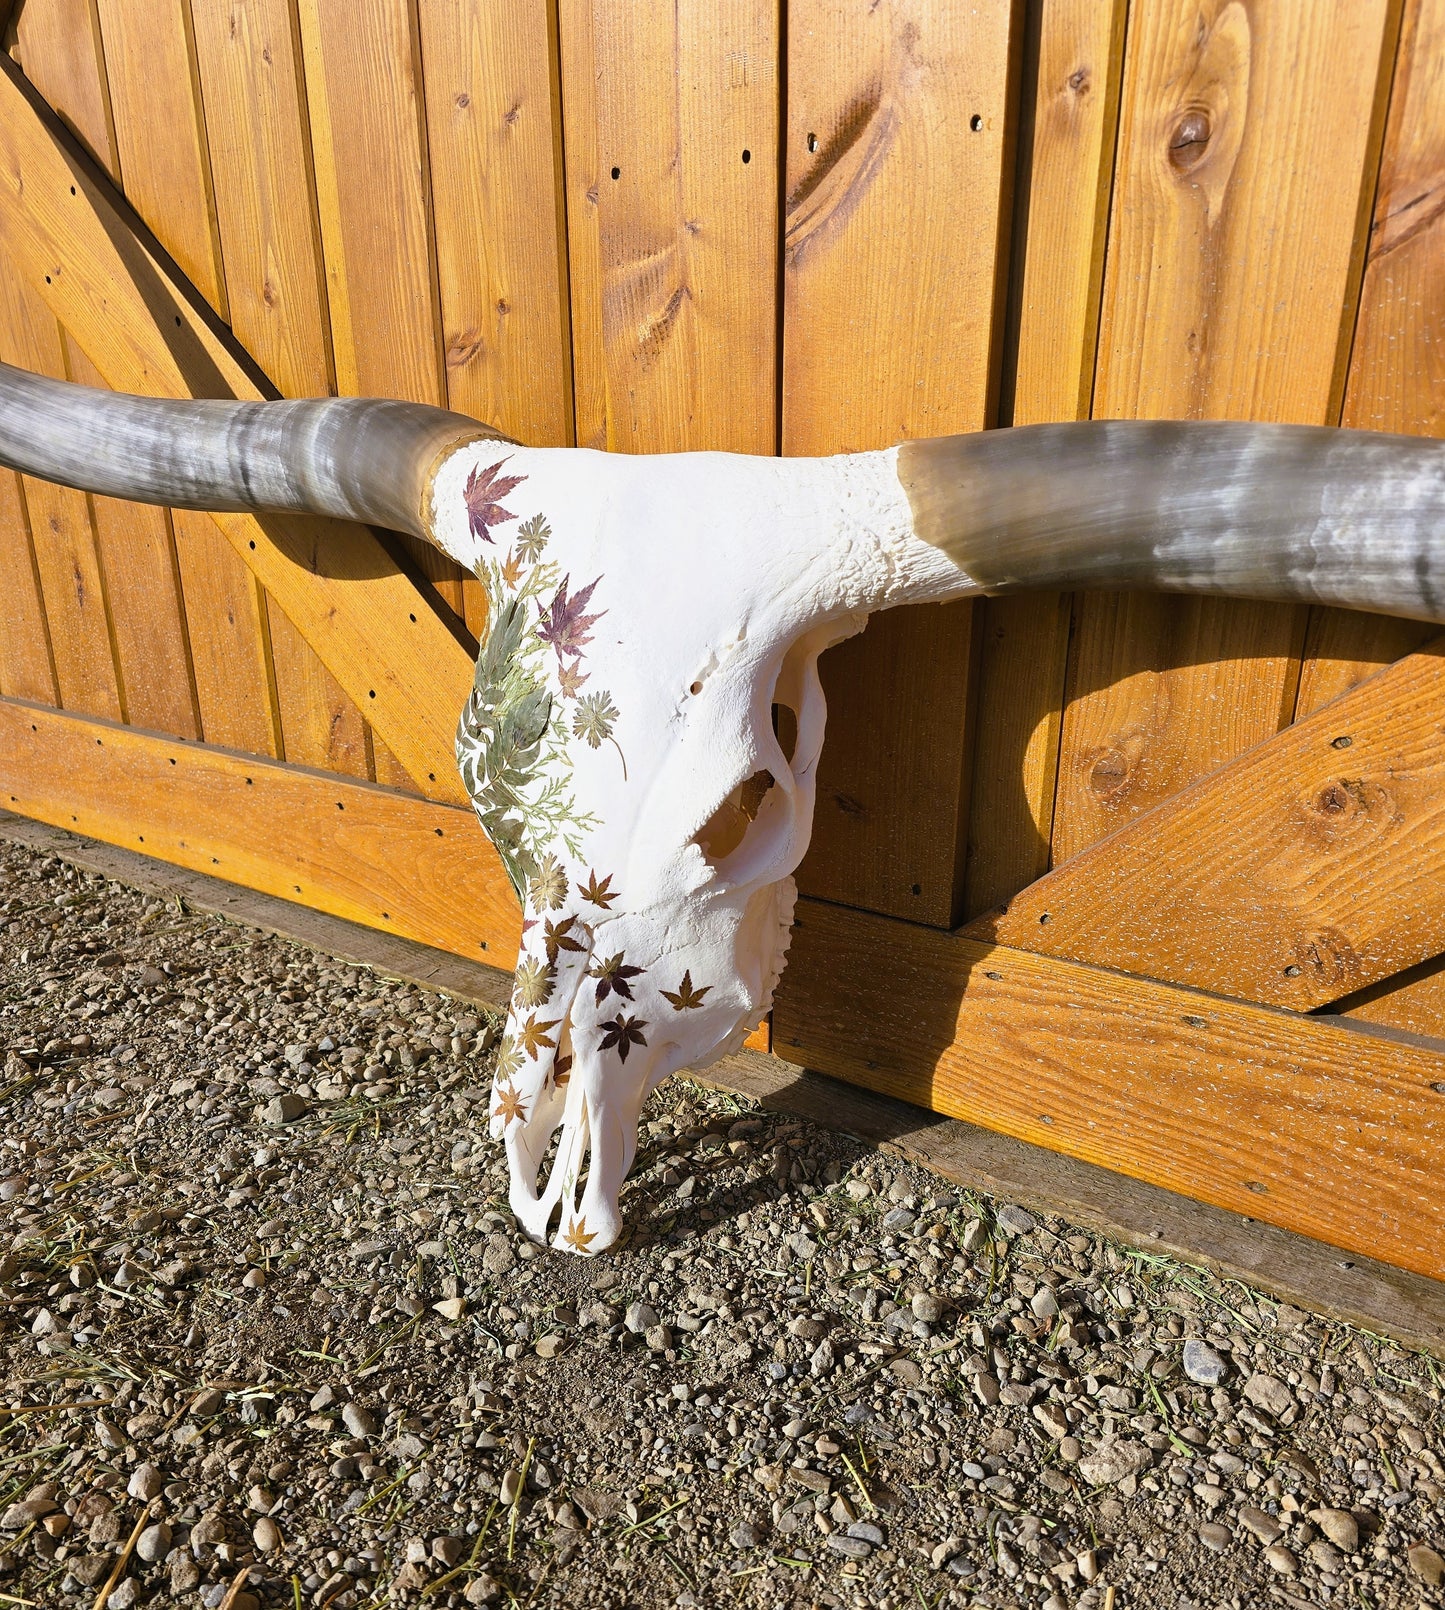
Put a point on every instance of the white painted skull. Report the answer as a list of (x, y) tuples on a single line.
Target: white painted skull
[(645, 618)]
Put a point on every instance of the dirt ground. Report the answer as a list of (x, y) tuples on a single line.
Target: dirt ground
[(270, 1337)]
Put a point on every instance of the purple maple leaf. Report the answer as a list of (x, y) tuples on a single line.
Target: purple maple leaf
[(484, 493), (564, 625)]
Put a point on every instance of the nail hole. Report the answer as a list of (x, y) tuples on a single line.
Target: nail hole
[(438, 832), (1044, 1118), (1043, 916), (1195, 1022), (996, 977), (386, 916), (976, 123), (484, 944), (178, 321), (617, 173), (47, 279), (1439, 1087), (249, 782), (1342, 742), (412, 618), (695, 689), (1292, 971), (253, 545), (1257, 1188), (917, 888), (747, 156), (173, 760), (340, 806), (812, 142), (431, 776), (371, 693), (72, 190)]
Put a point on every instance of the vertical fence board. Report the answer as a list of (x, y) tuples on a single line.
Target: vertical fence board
[(1248, 138), (1072, 76), (899, 127), (252, 80), (161, 134), (142, 588), (229, 646), (320, 726), (249, 60), (1397, 366), (26, 671), (364, 95), (582, 175), (673, 299), (62, 534), (493, 133), (59, 51)]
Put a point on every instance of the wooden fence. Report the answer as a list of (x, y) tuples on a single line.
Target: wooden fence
[(1152, 881)]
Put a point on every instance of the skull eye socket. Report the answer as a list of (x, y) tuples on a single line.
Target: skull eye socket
[(725, 829)]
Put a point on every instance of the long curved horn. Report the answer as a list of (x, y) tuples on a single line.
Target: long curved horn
[(1287, 512), (357, 458)]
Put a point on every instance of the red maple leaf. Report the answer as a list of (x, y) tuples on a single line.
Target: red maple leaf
[(484, 494), (564, 625)]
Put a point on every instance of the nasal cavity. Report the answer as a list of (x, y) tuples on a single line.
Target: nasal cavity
[(726, 828)]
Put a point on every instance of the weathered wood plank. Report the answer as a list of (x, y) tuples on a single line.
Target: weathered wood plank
[(1072, 73), (1315, 1127), (320, 726), (1397, 364), (62, 535), (897, 116), (249, 57), (160, 132), (368, 140), (230, 647), (26, 669), (59, 49), (404, 865), (147, 613), (1229, 293), (398, 662), (494, 131), (1302, 871), (582, 174), (249, 60), (673, 305)]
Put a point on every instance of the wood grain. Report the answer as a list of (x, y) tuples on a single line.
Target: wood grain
[(1303, 870), (404, 865), (1397, 364), (62, 536), (1248, 144), (366, 619), (230, 646), (147, 612), (1068, 122), (582, 176), (320, 726), (676, 302), (368, 141), (26, 669), (900, 119), (1321, 1128), (248, 57), (59, 49), (160, 131), (494, 135)]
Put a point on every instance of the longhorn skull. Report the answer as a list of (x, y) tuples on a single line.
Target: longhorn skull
[(643, 734)]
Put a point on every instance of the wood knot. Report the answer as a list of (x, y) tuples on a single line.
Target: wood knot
[(1079, 81), (1334, 800), (1189, 140), (1109, 773)]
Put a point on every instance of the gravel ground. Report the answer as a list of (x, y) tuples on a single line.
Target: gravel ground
[(270, 1337)]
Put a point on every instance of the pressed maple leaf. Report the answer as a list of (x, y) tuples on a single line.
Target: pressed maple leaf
[(511, 570), (599, 894), (570, 679), (612, 977), (537, 1037), (559, 937), (562, 1072), (622, 1033), (685, 997), (579, 1236), (483, 494), (533, 983), (563, 624), (510, 1105)]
